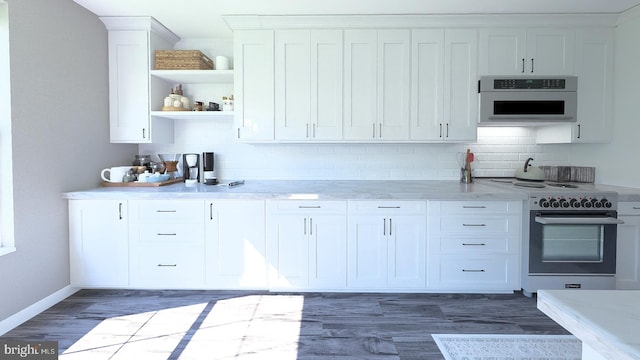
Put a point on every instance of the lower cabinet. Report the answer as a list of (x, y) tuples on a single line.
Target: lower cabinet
[(99, 243), (166, 244), (386, 245), (235, 248), (306, 244), (628, 246), (474, 245)]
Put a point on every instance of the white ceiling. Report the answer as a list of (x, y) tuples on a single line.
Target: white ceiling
[(202, 18)]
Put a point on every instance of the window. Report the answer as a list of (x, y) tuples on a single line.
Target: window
[(7, 244)]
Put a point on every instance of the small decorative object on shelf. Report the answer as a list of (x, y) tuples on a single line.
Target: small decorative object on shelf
[(227, 103), (176, 101), (213, 106)]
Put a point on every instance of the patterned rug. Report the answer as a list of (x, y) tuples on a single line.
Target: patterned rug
[(508, 347)]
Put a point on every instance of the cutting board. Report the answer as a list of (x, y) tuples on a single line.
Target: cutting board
[(141, 184)]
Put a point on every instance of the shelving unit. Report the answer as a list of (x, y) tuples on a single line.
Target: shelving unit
[(196, 78)]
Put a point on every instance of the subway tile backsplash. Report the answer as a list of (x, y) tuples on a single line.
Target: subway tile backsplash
[(498, 152)]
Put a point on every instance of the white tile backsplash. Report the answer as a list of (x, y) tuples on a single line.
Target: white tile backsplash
[(498, 152)]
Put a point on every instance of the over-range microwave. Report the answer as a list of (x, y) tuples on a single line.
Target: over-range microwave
[(527, 100)]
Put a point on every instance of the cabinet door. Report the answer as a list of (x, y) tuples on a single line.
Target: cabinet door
[(360, 84), (367, 252), (287, 251), (99, 243), (594, 68), (460, 85), (327, 251), (254, 84), (550, 52), (628, 253), (129, 86), (292, 84), (326, 84), (406, 251), (394, 84), (235, 252), (427, 73), (502, 51)]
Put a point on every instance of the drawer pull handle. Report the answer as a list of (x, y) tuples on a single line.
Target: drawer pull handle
[(473, 207), (166, 211), (636, 208), (472, 244), (167, 265), (167, 234), (309, 207), (474, 225), (466, 270), (388, 207)]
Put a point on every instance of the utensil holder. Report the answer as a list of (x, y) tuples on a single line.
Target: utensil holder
[(465, 176)]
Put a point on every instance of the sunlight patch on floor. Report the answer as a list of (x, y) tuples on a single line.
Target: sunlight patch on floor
[(258, 326)]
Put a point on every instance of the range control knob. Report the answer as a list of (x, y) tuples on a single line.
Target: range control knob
[(544, 203), (596, 204), (574, 203), (585, 203), (606, 203), (564, 203), (554, 203)]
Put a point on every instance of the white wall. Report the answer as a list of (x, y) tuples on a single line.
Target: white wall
[(59, 100), (616, 162)]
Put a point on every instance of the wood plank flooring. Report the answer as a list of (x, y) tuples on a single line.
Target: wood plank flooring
[(137, 324)]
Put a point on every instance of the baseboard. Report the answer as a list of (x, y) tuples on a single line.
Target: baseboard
[(20, 317)]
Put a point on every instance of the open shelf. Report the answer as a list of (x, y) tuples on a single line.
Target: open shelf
[(193, 115), (195, 76)]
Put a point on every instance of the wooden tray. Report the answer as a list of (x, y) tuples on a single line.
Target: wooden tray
[(174, 108), (141, 184)]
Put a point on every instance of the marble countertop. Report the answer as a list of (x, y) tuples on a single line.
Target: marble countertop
[(605, 320), (311, 190)]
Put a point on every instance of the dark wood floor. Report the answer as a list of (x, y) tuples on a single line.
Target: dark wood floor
[(129, 324)]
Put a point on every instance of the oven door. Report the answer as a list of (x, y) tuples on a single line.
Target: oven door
[(573, 242)]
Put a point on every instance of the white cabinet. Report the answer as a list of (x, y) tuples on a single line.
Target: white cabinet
[(594, 69), (131, 44), (308, 85), (306, 244), (98, 243), (235, 248), (474, 245), (376, 84), (166, 244), (522, 51), (444, 104), (386, 245), (628, 246), (254, 85)]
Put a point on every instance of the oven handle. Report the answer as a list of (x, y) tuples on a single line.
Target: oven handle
[(578, 220)]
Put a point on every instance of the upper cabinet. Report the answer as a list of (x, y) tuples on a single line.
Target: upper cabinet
[(131, 43), (521, 51), (254, 84), (308, 85), (377, 84), (594, 69), (443, 92)]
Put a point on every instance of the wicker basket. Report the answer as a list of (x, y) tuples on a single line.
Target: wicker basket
[(182, 60)]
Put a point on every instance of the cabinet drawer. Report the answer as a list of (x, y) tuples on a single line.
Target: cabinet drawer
[(479, 273), (307, 206), (474, 225), (170, 210), (474, 207), (171, 233), (388, 207), (629, 208), (475, 245), (170, 267)]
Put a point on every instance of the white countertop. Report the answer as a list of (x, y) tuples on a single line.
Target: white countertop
[(605, 320), (311, 190)]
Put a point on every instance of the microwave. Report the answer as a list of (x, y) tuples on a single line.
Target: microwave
[(527, 100)]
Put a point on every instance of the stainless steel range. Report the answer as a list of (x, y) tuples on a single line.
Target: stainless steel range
[(569, 241)]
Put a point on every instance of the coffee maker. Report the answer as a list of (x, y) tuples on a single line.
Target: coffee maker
[(208, 169), (191, 168)]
